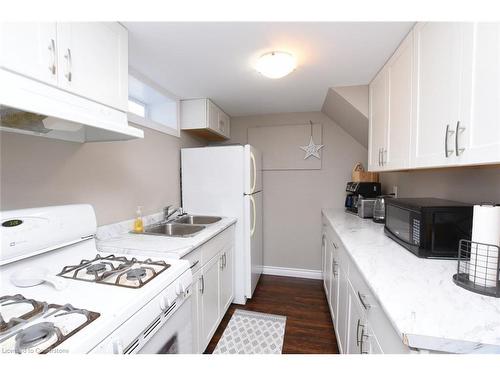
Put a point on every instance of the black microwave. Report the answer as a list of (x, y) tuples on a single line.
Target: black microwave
[(428, 227)]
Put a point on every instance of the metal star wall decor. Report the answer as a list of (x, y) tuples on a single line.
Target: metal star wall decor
[(312, 149)]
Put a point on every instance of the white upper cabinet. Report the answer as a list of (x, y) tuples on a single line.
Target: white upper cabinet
[(205, 119), (478, 139), (390, 111), (30, 49), (396, 154), (88, 59), (93, 61), (436, 103), (377, 120), (439, 58)]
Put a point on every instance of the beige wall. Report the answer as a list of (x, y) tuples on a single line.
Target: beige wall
[(471, 185), (293, 198), (114, 177)]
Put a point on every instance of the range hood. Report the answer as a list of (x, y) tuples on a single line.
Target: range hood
[(31, 107)]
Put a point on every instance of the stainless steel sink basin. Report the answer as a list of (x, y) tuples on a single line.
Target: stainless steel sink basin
[(198, 219), (173, 229)]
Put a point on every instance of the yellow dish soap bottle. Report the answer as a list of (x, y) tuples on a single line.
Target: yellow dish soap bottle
[(138, 223)]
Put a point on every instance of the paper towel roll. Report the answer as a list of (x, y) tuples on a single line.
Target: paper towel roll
[(483, 258)]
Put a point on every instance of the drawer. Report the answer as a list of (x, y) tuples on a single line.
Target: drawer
[(387, 337), (195, 259), (223, 240)]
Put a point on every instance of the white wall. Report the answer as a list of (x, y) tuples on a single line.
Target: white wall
[(293, 198)]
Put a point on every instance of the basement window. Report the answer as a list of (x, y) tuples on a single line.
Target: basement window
[(152, 106), (137, 108)]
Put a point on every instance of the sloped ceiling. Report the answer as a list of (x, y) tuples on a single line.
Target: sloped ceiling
[(348, 107)]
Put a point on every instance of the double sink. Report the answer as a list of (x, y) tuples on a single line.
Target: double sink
[(184, 226)]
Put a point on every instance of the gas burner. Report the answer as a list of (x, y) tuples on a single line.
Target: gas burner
[(96, 268), (36, 335), (46, 329), (136, 274), (17, 310), (115, 270)]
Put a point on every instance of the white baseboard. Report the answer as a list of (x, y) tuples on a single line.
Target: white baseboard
[(292, 272)]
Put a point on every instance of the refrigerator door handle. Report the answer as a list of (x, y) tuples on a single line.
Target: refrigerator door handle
[(254, 216), (254, 175)]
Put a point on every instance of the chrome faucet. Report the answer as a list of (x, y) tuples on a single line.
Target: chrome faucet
[(167, 213)]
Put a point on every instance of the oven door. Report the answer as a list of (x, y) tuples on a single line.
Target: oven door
[(175, 336)]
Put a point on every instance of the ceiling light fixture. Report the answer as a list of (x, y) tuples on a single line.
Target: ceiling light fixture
[(276, 64)]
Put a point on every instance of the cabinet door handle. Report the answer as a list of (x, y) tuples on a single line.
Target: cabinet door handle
[(359, 325), (379, 152), (361, 299), (52, 49), (384, 156), (361, 341), (334, 266), (202, 288), (449, 132), (225, 260), (458, 130), (68, 75), (221, 259)]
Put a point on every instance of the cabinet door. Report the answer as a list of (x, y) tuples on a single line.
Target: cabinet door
[(396, 154), (327, 270), (343, 310), (196, 312), (210, 300), (377, 120), (437, 71), (478, 137), (213, 116), (226, 279), (93, 60), (224, 124), (356, 325), (30, 49), (334, 288)]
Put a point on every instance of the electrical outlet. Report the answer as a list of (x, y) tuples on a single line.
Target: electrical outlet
[(395, 191)]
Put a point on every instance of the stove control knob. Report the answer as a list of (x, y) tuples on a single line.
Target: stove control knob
[(162, 303), (117, 346), (180, 289)]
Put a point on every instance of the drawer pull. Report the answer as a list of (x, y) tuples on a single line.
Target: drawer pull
[(194, 264), (361, 299)]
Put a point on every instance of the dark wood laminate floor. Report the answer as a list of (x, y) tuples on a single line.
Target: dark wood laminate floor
[(309, 328)]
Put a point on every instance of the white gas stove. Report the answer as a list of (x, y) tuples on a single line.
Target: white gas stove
[(59, 295)]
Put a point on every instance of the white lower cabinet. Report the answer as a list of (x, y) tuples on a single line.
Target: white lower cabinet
[(226, 279), (361, 326), (209, 295), (213, 289), (356, 333)]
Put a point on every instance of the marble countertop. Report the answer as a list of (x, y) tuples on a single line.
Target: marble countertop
[(418, 295), (112, 239)]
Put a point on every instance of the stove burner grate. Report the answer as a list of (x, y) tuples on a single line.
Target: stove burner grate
[(102, 270)]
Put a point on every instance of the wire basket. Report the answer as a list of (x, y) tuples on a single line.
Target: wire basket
[(478, 268)]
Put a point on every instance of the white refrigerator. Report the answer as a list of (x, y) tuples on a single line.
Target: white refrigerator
[(227, 181)]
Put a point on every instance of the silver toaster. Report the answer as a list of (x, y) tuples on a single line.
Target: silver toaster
[(365, 207)]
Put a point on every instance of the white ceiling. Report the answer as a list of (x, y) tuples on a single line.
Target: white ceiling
[(215, 60)]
